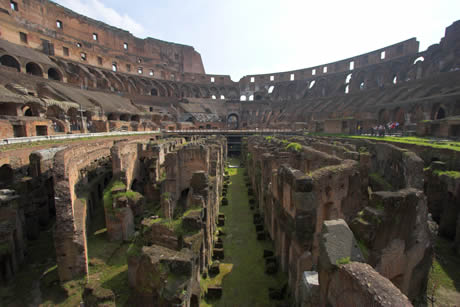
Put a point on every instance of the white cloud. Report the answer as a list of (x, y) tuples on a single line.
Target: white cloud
[(97, 10)]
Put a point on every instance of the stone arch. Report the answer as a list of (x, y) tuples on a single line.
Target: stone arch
[(27, 111), (233, 121), (34, 69), (438, 111), (55, 111), (54, 74), (8, 60), (154, 92)]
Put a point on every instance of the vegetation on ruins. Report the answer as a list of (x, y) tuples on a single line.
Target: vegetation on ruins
[(343, 260), (294, 146)]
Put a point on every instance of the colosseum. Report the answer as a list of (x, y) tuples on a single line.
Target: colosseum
[(130, 177)]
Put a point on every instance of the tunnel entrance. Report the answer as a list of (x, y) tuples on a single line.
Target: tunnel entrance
[(234, 145)]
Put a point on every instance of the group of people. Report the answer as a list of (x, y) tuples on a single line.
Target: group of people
[(380, 130)]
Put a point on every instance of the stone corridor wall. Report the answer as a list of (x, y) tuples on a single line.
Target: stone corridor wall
[(301, 182)]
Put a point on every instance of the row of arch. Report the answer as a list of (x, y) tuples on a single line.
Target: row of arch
[(375, 76), (32, 68)]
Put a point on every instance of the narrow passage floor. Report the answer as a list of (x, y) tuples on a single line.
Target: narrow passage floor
[(242, 272)]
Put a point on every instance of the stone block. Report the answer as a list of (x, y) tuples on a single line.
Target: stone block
[(309, 290), (337, 245)]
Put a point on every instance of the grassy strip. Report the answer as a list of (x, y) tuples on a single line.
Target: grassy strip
[(246, 284), (444, 277), (427, 142)]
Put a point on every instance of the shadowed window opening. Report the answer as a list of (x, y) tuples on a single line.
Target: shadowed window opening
[(54, 74), (9, 61), (34, 69), (23, 37)]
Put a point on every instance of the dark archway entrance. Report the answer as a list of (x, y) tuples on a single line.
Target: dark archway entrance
[(233, 121), (34, 69), (9, 61), (441, 113), (53, 74)]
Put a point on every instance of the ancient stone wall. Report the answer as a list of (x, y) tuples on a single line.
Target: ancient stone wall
[(301, 182)]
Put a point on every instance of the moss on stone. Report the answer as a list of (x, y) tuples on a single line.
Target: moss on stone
[(343, 260), (381, 181), (452, 174), (294, 146)]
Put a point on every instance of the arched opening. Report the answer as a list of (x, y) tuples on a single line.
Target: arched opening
[(27, 111), (232, 121), (361, 85), (312, 83), (251, 98), (270, 89), (440, 114), (419, 59), (33, 69), (124, 117), (395, 79), (154, 92), (8, 60), (243, 98), (347, 89), (135, 118), (258, 97), (348, 78), (53, 74)]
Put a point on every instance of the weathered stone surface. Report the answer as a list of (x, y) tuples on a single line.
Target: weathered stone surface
[(309, 289), (337, 245), (96, 296), (162, 275), (358, 284)]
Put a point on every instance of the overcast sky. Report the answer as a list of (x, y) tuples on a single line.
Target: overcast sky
[(243, 37)]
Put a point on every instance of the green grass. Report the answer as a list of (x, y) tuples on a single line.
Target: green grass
[(444, 277), (342, 261), (452, 174), (421, 141), (381, 181), (294, 146), (243, 280)]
